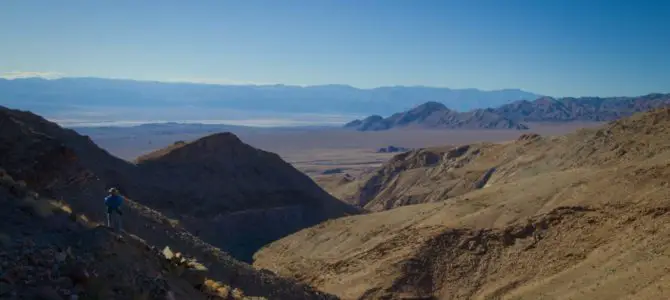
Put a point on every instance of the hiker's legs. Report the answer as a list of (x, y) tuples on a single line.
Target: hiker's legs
[(114, 220), (118, 222), (109, 219)]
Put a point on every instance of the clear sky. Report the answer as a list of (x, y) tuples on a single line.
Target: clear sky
[(552, 47)]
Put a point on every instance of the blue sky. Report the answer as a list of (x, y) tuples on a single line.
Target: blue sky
[(553, 47)]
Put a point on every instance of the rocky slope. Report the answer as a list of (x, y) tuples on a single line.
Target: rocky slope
[(436, 115), (48, 253), (581, 216), (516, 114), (59, 164), (422, 176)]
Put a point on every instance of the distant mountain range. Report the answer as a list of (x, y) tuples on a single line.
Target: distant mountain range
[(514, 115), (102, 96)]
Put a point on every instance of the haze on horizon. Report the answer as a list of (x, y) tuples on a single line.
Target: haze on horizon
[(557, 48)]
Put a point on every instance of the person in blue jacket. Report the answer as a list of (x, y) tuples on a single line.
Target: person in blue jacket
[(113, 202)]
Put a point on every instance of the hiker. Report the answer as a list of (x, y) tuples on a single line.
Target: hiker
[(113, 203)]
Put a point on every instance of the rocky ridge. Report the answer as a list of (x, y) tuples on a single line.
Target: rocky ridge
[(548, 109), (516, 114)]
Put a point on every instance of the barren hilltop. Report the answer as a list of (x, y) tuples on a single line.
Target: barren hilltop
[(580, 216), (235, 196)]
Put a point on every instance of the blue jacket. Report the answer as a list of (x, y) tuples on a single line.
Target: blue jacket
[(113, 201)]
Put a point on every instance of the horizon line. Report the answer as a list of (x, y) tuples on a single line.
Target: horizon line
[(52, 76)]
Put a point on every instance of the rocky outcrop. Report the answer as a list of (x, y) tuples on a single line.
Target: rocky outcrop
[(421, 176)]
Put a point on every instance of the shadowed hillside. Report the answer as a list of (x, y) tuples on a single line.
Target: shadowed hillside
[(580, 216), (61, 165), (236, 196)]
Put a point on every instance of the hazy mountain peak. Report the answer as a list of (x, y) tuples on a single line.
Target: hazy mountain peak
[(373, 118), (221, 138), (429, 107)]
